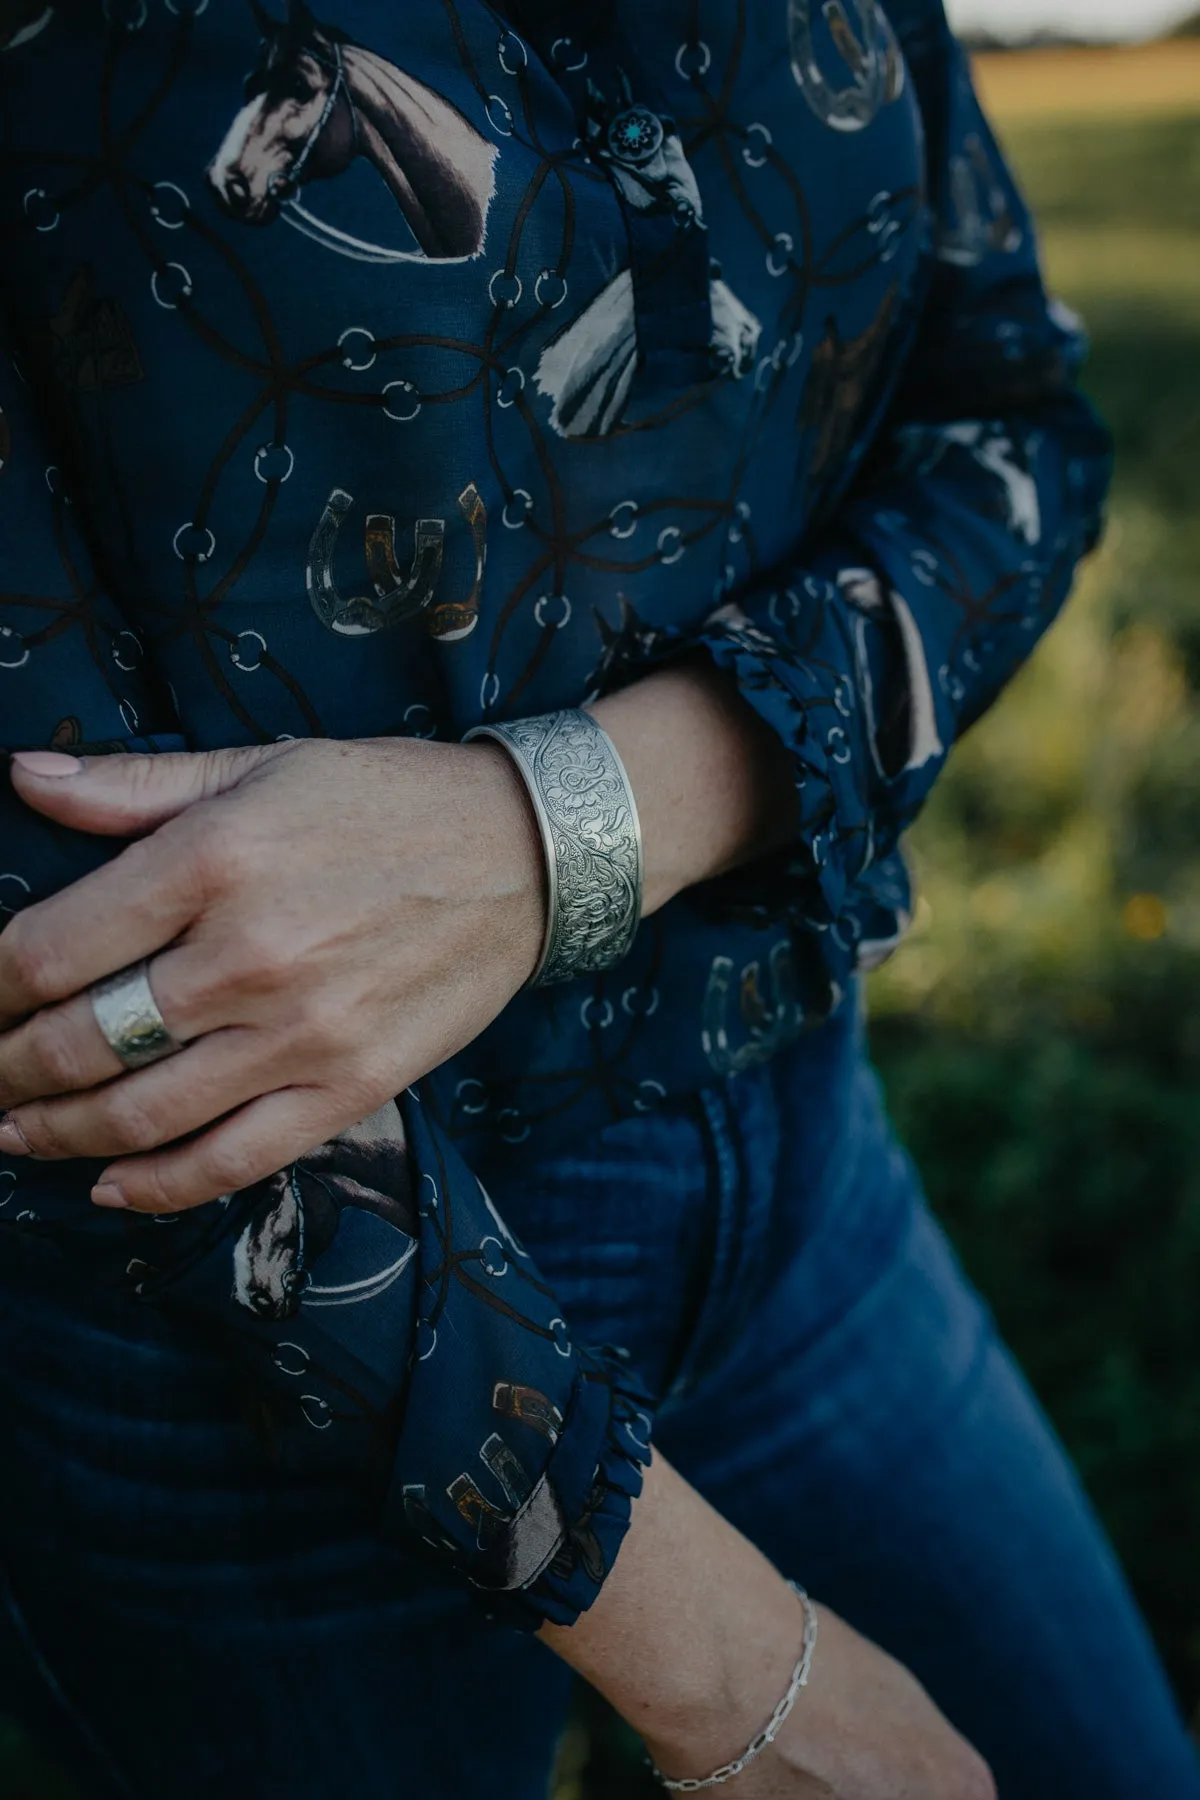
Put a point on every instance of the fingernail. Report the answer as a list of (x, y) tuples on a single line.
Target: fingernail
[(12, 1138), (46, 762), (107, 1195)]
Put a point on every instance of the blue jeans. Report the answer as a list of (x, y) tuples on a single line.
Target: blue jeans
[(188, 1622)]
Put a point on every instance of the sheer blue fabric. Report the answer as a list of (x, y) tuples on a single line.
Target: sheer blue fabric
[(398, 369)]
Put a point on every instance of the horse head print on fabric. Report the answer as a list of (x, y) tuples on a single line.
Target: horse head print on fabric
[(314, 102), (297, 1215)]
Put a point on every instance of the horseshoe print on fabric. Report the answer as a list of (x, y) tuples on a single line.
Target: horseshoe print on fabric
[(520, 1538), (867, 46), (452, 620), (742, 1026), (397, 596)]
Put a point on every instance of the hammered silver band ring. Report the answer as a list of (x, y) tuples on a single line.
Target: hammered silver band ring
[(128, 1016), (588, 820)]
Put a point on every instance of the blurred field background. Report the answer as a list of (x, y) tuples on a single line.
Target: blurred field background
[(1040, 1032)]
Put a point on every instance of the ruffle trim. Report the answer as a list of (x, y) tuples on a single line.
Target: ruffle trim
[(596, 1473)]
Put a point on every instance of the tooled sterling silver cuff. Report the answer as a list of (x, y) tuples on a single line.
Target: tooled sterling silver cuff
[(588, 819)]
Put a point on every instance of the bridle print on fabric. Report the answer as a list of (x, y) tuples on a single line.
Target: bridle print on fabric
[(285, 183)]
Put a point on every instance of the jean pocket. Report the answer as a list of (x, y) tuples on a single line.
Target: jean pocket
[(623, 1230)]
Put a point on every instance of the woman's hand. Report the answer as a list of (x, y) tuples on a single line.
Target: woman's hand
[(694, 1637), (326, 921)]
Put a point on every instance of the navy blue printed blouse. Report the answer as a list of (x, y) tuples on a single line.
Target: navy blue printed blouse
[(402, 367)]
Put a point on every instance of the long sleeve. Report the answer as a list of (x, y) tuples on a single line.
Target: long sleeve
[(931, 581), (73, 670), (429, 1349)]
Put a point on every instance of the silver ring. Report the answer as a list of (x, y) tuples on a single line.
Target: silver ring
[(127, 1013)]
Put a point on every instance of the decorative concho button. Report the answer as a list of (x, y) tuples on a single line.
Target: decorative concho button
[(635, 135)]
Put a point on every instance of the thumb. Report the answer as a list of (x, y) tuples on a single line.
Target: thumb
[(127, 796)]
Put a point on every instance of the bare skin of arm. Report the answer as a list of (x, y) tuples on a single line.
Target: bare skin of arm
[(714, 785), (328, 921), (694, 1638)]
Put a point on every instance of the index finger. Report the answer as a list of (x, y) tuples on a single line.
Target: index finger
[(128, 909)]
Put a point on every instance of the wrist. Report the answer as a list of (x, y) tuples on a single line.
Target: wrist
[(515, 855), (588, 823), (754, 1681), (695, 1634), (714, 786)]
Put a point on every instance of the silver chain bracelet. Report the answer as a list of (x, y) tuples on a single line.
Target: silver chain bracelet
[(588, 821), (770, 1731)]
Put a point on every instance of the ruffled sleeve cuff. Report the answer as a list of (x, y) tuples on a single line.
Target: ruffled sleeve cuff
[(391, 1332), (520, 1452)]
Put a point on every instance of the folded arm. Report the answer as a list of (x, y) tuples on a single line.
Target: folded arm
[(791, 740), (904, 616)]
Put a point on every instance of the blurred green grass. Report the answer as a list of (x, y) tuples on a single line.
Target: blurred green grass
[(1040, 1034)]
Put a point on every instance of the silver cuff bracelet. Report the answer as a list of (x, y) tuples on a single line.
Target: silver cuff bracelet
[(588, 819)]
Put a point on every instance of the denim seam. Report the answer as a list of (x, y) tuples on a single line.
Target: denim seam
[(747, 1198), (725, 1176), (87, 1733), (760, 1192)]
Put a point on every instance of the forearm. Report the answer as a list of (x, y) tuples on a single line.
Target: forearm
[(694, 1633), (715, 789), (713, 783), (693, 1638)]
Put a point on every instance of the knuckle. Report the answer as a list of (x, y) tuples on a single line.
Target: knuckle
[(232, 1168), (971, 1779), (138, 774), (54, 1051), (40, 1130), (154, 1190), (323, 1024), (265, 958), (128, 1124), (220, 852), (205, 861), (32, 960)]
